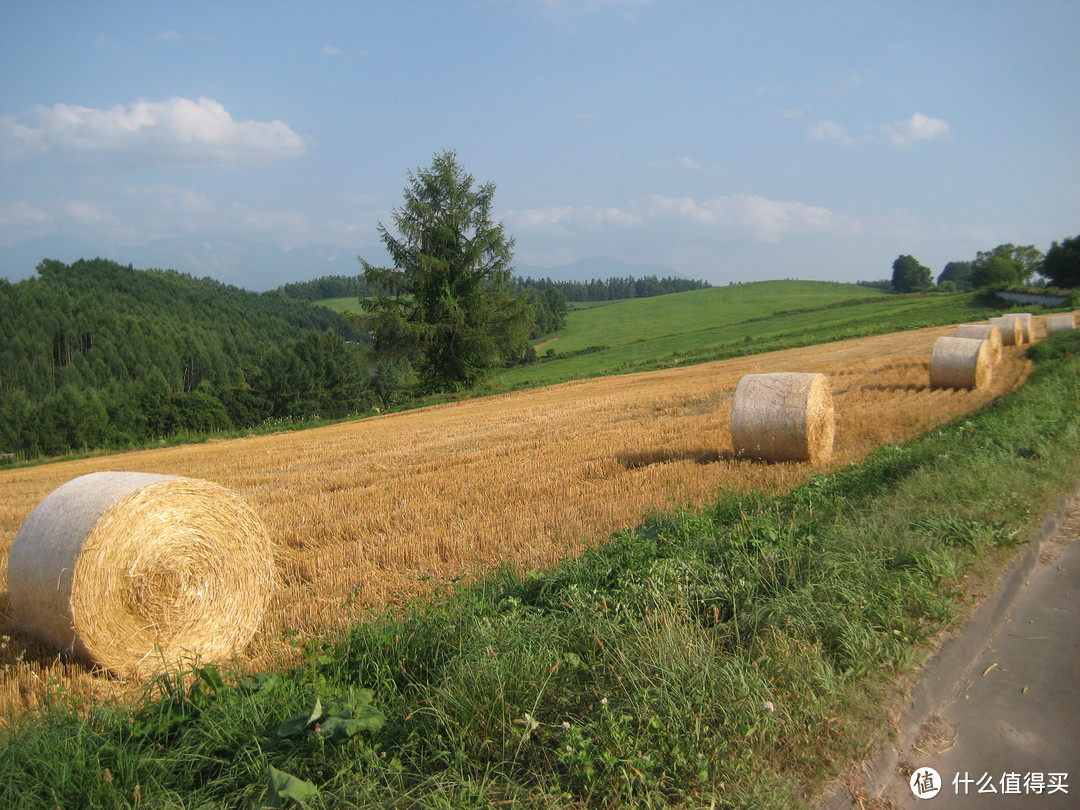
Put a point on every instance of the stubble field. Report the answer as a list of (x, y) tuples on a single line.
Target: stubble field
[(372, 512)]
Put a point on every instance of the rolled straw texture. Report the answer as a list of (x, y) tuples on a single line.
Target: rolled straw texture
[(132, 571), (1060, 323), (960, 363), (983, 331), (1012, 333), (783, 416), (1027, 325)]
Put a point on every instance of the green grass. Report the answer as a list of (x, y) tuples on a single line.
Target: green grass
[(348, 304), (646, 319), (739, 655), (718, 323)]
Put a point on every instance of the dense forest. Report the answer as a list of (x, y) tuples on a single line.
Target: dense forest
[(612, 289), (99, 355), (320, 289)]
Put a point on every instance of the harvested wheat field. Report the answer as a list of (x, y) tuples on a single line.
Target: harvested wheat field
[(372, 511)]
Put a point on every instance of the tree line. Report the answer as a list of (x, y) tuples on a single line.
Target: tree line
[(1004, 266), (612, 289), (609, 289)]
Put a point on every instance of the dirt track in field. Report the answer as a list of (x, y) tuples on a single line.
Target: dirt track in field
[(373, 511)]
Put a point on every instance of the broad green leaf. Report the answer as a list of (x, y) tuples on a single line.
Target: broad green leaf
[(294, 725), (281, 786)]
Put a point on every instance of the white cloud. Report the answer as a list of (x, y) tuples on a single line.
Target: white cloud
[(898, 135), (180, 130), (331, 50), (568, 217), (905, 134), (831, 131), (169, 198), (88, 212), (171, 36), (761, 219), (843, 87), (22, 213), (756, 218)]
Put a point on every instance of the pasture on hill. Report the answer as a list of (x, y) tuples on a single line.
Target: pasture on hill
[(716, 323), (369, 513), (723, 322)]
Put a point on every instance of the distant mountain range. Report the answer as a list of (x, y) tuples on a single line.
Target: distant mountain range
[(259, 266)]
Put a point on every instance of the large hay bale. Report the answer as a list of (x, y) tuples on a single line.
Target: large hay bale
[(783, 416), (130, 571), (1060, 323), (960, 363), (983, 331), (1012, 331)]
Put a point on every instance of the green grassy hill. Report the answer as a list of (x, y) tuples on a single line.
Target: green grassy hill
[(639, 319), (701, 325)]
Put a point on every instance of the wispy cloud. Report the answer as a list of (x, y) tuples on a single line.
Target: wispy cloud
[(177, 131), (22, 213), (331, 50), (831, 131), (756, 218), (918, 128), (568, 217), (898, 135), (843, 87)]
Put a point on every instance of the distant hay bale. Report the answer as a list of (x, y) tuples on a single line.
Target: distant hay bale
[(783, 416), (960, 363), (131, 570), (1027, 325), (983, 331), (1012, 331), (1060, 323)]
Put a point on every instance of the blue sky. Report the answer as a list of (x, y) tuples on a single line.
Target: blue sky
[(730, 141)]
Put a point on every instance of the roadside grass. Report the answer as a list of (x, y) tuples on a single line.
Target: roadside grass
[(740, 654)]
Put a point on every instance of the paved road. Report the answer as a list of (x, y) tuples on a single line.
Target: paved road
[(1014, 725)]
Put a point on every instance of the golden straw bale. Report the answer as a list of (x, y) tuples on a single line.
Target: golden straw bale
[(783, 416), (1027, 325), (960, 363), (132, 571), (1012, 332), (989, 332), (1060, 323)]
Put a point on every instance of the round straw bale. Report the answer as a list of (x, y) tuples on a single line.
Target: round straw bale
[(960, 363), (133, 571), (983, 331), (783, 416), (1060, 323), (1027, 325), (1012, 333)]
